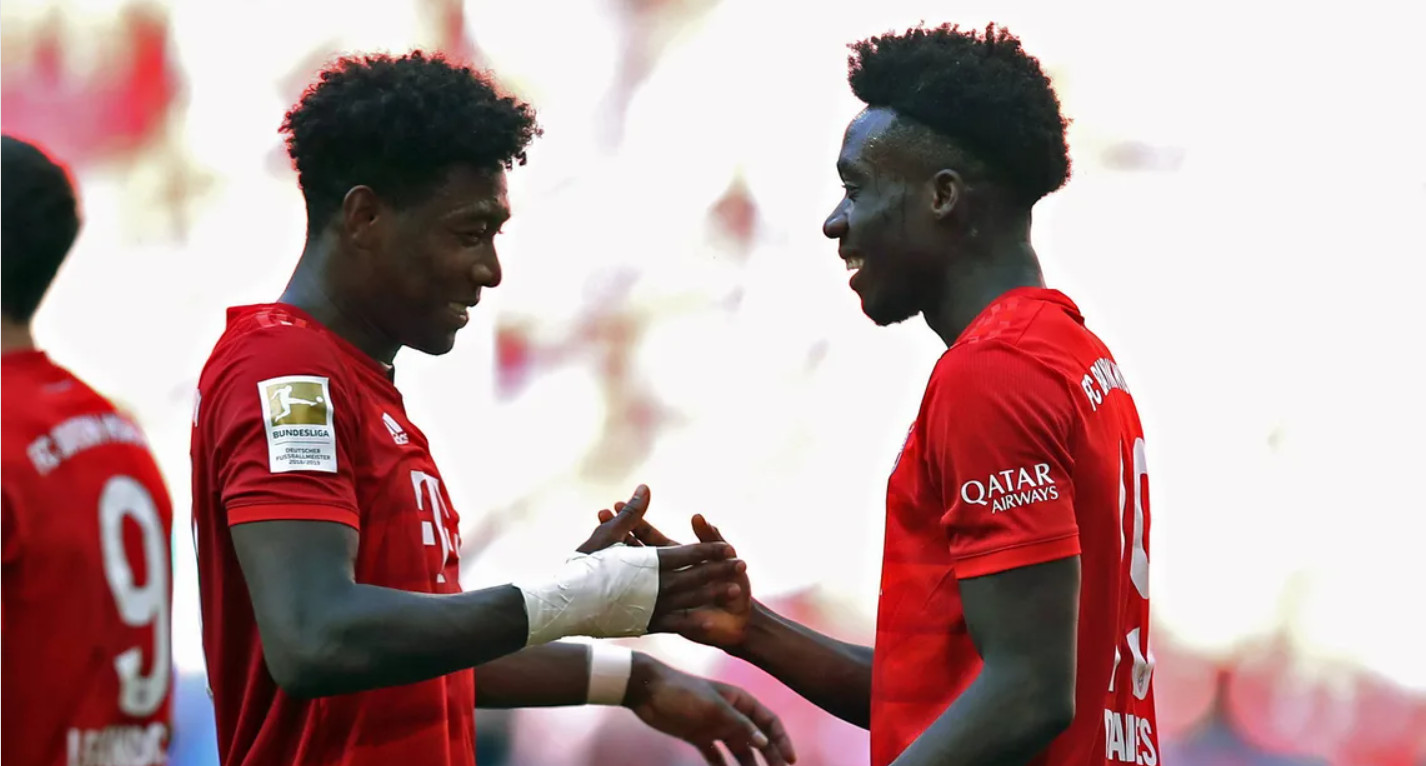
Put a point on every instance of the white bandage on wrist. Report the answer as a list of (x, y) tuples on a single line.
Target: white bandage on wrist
[(606, 594), (609, 669)]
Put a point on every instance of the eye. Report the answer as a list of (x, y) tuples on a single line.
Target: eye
[(850, 191), (479, 235)]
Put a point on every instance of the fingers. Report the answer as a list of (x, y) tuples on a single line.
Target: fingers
[(744, 756), (706, 532), (692, 598), (779, 750), (606, 515), (704, 585), (627, 517), (710, 754), (617, 526), (677, 621), (680, 556), (742, 737), (648, 534)]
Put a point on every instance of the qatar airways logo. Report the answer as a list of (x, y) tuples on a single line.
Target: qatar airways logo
[(1012, 488)]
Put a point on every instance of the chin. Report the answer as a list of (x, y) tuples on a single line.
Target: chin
[(436, 345), (885, 315)]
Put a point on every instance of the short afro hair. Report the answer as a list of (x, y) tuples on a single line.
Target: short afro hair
[(983, 92), (40, 222), (399, 125)]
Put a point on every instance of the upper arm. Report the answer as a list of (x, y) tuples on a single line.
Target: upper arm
[(282, 470), (1002, 453), (1025, 621), (292, 569)]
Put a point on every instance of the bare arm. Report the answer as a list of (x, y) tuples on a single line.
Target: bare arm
[(539, 676), (323, 633), (832, 674), (693, 709), (1024, 623)]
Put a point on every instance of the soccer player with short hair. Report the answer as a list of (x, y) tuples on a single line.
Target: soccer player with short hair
[(335, 628), (87, 666), (1013, 623)]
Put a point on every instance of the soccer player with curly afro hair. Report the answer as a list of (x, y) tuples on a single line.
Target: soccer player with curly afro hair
[(1013, 624), (335, 628)]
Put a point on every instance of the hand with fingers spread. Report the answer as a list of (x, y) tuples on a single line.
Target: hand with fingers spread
[(704, 713), (721, 622), (609, 589)]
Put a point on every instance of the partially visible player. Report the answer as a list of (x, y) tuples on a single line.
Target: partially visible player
[(87, 668), (1013, 624), (335, 628)]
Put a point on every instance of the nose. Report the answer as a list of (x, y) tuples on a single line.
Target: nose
[(835, 227), (487, 271)]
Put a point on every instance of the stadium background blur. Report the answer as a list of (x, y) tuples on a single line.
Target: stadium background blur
[(1244, 226)]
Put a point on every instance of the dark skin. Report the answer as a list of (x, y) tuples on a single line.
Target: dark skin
[(384, 277), (937, 240), (933, 235), (693, 709), (334, 635)]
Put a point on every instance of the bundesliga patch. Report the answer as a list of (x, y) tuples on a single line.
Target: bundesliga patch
[(297, 413)]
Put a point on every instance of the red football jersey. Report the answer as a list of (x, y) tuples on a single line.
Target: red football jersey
[(87, 665), (292, 422), (1027, 449)]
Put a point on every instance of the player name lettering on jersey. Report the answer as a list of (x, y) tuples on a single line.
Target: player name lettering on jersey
[(1129, 739), (1012, 488), (78, 434), (1103, 376), (119, 746)]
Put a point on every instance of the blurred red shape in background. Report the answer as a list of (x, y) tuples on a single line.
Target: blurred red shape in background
[(106, 111)]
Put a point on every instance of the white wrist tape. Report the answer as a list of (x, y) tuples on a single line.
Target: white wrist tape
[(609, 669), (605, 594)]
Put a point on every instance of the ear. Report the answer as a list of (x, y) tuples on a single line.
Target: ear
[(947, 191), (361, 216)]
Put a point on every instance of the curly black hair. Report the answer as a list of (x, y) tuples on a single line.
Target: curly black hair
[(983, 92), (399, 125), (40, 222)]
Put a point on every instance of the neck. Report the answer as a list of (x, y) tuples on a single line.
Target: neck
[(15, 336), (988, 266), (313, 289)]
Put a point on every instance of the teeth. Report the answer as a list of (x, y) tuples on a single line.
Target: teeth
[(854, 263)]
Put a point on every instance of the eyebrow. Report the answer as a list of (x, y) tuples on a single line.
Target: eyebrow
[(845, 168), (486, 211)]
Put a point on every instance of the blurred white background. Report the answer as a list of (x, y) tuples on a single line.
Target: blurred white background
[(1243, 227)]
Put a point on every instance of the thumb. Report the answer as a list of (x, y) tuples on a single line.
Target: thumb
[(632, 514), (706, 532), (606, 515)]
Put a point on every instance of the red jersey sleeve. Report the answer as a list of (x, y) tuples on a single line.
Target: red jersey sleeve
[(1000, 424), (281, 429)]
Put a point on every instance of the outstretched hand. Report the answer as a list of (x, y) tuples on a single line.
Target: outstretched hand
[(722, 621), (692, 577), (704, 713)]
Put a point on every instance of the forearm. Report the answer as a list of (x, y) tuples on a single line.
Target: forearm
[(1003, 718), (832, 674), (369, 637), (552, 675), (539, 676)]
